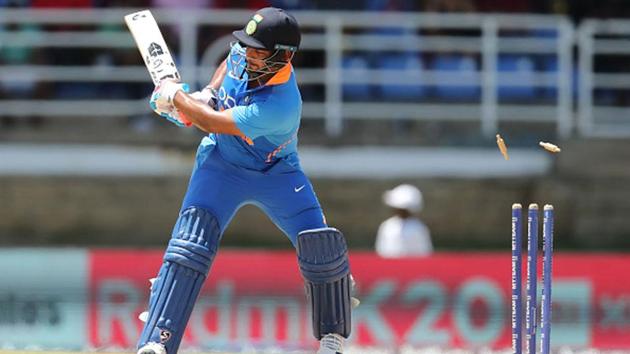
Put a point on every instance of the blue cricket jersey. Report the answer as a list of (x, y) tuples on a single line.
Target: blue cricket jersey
[(268, 116), (262, 166)]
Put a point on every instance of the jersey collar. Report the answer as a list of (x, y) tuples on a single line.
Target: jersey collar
[(283, 75)]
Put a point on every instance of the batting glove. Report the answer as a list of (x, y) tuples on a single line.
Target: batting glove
[(171, 114), (162, 101), (165, 91), (208, 96)]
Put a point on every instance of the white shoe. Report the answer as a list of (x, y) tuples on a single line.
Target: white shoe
[(331, 343), (152, 348)]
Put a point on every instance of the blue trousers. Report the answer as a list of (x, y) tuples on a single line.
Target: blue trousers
[(283, 193)]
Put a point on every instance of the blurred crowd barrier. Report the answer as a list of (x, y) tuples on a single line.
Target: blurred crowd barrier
[(81, 67), (91, 298), (96, 202)]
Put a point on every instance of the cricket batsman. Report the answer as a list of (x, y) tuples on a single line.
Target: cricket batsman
[(251, 109)]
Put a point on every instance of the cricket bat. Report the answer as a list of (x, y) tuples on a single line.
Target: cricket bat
[(151, 45), (153, 49)]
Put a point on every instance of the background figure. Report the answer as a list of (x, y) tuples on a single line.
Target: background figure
[(403, 234)]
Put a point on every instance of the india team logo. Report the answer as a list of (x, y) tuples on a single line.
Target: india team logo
[(251, 27), (253, 24)]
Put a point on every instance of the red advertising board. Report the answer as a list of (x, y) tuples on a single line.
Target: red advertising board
[(449, 300)]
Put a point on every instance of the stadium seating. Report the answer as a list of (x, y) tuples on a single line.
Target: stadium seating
[(465, 67), (401, 61), (521, 68)]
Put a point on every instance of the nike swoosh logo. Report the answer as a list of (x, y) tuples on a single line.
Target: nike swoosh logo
[(299, 188)]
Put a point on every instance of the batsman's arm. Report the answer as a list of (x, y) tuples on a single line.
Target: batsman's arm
[(204, 117), (219, 75), (209, 93)]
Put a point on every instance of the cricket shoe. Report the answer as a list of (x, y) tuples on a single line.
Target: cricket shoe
[(331, 343), (152, 348)]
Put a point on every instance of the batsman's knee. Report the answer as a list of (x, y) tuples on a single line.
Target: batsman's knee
[(187, 261), (323, 260), (195, 240)]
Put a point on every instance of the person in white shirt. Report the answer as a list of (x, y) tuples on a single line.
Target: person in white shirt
[(403, 234)]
